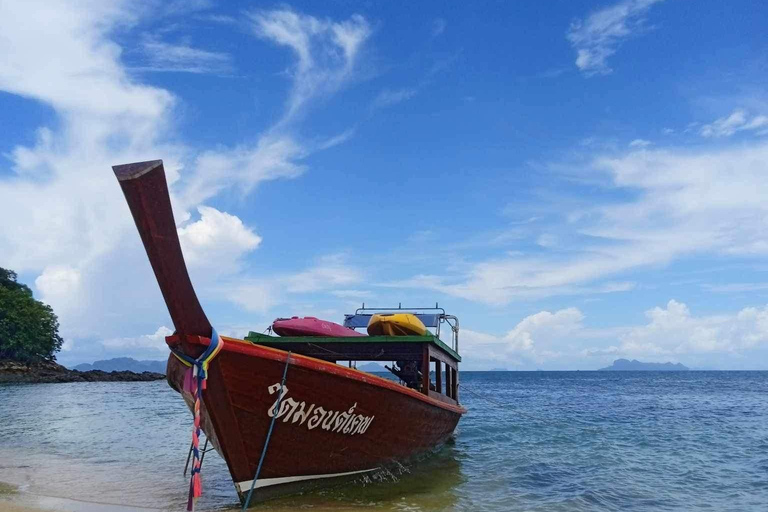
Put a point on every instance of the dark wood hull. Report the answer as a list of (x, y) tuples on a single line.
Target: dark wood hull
[(333, 421)]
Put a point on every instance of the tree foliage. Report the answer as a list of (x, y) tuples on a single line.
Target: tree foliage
[(29, 329)]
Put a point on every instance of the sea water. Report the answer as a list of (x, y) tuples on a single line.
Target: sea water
[(531, 441)]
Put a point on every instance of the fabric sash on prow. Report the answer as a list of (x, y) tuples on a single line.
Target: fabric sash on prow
[(146, 192)]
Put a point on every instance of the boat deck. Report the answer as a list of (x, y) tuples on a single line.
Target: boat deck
[(362, 348)]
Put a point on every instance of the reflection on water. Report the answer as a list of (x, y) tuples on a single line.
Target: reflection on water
[(125, 443), (426, 484), (549, 441)]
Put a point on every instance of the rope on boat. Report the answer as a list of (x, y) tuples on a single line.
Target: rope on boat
[(275, 412), (195, 381)]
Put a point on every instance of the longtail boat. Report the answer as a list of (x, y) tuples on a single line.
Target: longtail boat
[(279, 410)]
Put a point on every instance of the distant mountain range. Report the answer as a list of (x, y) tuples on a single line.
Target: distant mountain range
[(121, 364), (635, 365), (371, 368)]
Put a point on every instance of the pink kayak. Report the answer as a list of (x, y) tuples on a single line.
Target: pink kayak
[(311, 326)]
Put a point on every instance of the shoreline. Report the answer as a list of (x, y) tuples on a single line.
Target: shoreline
[(47, 372)]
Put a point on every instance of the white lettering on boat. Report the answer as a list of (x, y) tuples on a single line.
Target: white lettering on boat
[(344, 422)]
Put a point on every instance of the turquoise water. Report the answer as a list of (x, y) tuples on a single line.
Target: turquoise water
[(548, 441)]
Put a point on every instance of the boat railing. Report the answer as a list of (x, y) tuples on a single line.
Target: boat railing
[(431, 317)]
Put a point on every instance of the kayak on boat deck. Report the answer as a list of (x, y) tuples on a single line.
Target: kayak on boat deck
[(396, 324), (311, 326)]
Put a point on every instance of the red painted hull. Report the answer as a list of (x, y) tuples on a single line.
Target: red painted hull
[(333, 420), (311, 326)]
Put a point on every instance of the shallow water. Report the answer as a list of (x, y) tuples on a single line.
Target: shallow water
[(532, 441)]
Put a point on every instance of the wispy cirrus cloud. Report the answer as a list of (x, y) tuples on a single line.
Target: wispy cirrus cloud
[(78, 231), (599, 36), (738, 121), (162, 56), (389, 97), (682, 202), (326, 51)]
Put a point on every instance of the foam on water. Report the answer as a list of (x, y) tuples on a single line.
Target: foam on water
[(554, 441)]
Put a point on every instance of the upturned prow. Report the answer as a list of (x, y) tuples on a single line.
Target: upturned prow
[(146, 191)]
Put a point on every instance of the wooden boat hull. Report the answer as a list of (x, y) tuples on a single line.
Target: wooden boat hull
[(333, 421)]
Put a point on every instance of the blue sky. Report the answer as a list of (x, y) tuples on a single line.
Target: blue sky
[(577, 181)]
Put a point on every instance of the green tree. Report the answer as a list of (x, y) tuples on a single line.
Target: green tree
[(29, 329)]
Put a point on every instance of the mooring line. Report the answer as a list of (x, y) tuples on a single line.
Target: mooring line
[(269, 432)]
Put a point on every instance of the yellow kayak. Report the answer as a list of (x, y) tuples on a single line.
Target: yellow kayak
[(396, 324)]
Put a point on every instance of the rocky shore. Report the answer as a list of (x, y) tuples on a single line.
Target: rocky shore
[(49, 371)]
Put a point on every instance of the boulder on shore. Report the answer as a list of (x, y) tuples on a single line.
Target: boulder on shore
[(50, 371)]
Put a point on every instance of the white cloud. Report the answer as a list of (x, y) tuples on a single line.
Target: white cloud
[(708, 200), (60, 287), (672, 332), (640, 143), (326, 50), (547, 240), (738, 121), (562, 340), (163, 56), (537, 334), (216, 241), (260, 294), (273, 157), (330, 272), (155, 341), (254, 295), (387, 97), (69, 222), (538, 338), (64, 61), (598, 36)]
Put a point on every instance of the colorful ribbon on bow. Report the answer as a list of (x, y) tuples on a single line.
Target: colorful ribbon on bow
[(195, 381)]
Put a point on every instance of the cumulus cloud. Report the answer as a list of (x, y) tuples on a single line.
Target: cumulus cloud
[(537, 338), (561, 339), (216, 241), (60, 286), (672, 332), (599, 35), (70, 224)]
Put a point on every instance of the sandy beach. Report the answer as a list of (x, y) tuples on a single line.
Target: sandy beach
[(14, 500)]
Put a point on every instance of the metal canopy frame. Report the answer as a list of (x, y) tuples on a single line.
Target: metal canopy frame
[(434, 320)]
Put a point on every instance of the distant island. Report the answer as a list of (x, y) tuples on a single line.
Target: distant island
[(124, 364), (625, 365), (371, 368)]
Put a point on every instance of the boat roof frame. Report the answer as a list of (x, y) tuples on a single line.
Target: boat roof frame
[(363, 314)]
